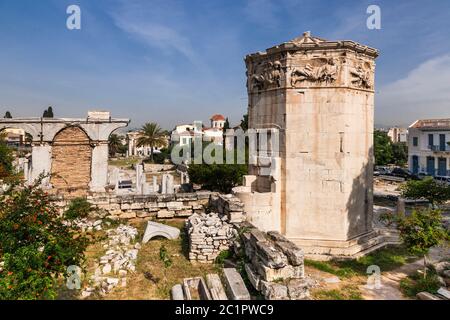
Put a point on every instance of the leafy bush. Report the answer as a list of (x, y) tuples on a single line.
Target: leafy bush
[(6, 159), (164, 256), (382, 148), (36, 245), (223, 255), (428, 188), (161, 157), (78, 208), (421, 231), (217, 177), (416, 283)]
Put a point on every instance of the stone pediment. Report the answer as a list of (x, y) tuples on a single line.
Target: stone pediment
[(307, 42), (312, 62)]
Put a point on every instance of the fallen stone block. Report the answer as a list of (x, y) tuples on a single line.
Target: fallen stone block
[(427, 296), (177, 292), (253, 277), (294, 254), (286, 272), (298, 289), (234, 285), (444, 292), (155, 229), (257, 236), (196, 289), (274, 291), (270, 256), (215, 287)]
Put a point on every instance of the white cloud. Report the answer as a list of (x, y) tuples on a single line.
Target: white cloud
[(145, 24), (262, 13), (423, 93)]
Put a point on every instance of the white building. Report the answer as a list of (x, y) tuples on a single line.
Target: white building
[(185, 133), (217, 121), (398, 134), (143, 151), (429, 148)]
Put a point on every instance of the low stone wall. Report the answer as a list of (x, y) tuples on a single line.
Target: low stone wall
[(154, 167), (276, 265), (209, 234), (144, 206)]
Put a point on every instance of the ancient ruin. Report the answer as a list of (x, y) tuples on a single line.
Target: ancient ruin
[(73, 152), (315, 186)]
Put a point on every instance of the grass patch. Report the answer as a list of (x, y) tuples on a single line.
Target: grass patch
[(415, 283), (347, 292), (387, 259), (126, 162), (149, 262), (330, 267)]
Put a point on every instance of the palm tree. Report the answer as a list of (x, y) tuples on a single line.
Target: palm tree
[(114, 144), (151, 135)]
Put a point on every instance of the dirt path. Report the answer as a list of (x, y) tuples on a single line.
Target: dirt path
[(390, 283)]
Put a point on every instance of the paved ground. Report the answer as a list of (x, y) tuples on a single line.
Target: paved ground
[(390, 283)]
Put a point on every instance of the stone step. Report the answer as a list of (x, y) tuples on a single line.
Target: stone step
[(235, 285), (215, 287)]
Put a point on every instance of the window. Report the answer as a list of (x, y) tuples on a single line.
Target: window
[(415, 141), (431, 140)]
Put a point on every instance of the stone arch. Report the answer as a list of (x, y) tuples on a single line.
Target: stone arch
[(71, 160), (155, 229), (28, 129)]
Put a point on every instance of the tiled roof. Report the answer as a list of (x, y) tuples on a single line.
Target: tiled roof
[(218, 117), (432, 124)]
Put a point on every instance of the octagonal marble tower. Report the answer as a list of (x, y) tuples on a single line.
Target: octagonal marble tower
[(318, 96)]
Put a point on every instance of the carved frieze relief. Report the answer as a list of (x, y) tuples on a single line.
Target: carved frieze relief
[(361, 76), (315, 71), (265, 75)]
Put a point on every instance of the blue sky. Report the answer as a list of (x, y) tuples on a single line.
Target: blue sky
[(179, 61)]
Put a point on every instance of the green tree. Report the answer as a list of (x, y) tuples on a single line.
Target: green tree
[(48, 113), (36, 244), (78, 208), (244, 122), (114, 144), (153, 136), (8, 115), (400, 153), (382, 148), (428, 188), (6, 158), (217, 177), (421, 231), (28, 138), (226, 125)]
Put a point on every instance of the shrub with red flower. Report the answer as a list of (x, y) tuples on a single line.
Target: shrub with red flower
[(36, 246)]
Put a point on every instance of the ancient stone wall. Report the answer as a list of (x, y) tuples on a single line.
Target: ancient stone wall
[(209, 234), (145, 206), (228, 205), (276, 265), (71, 161)]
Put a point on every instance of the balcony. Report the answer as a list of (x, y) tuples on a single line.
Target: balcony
[(438, 148)]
